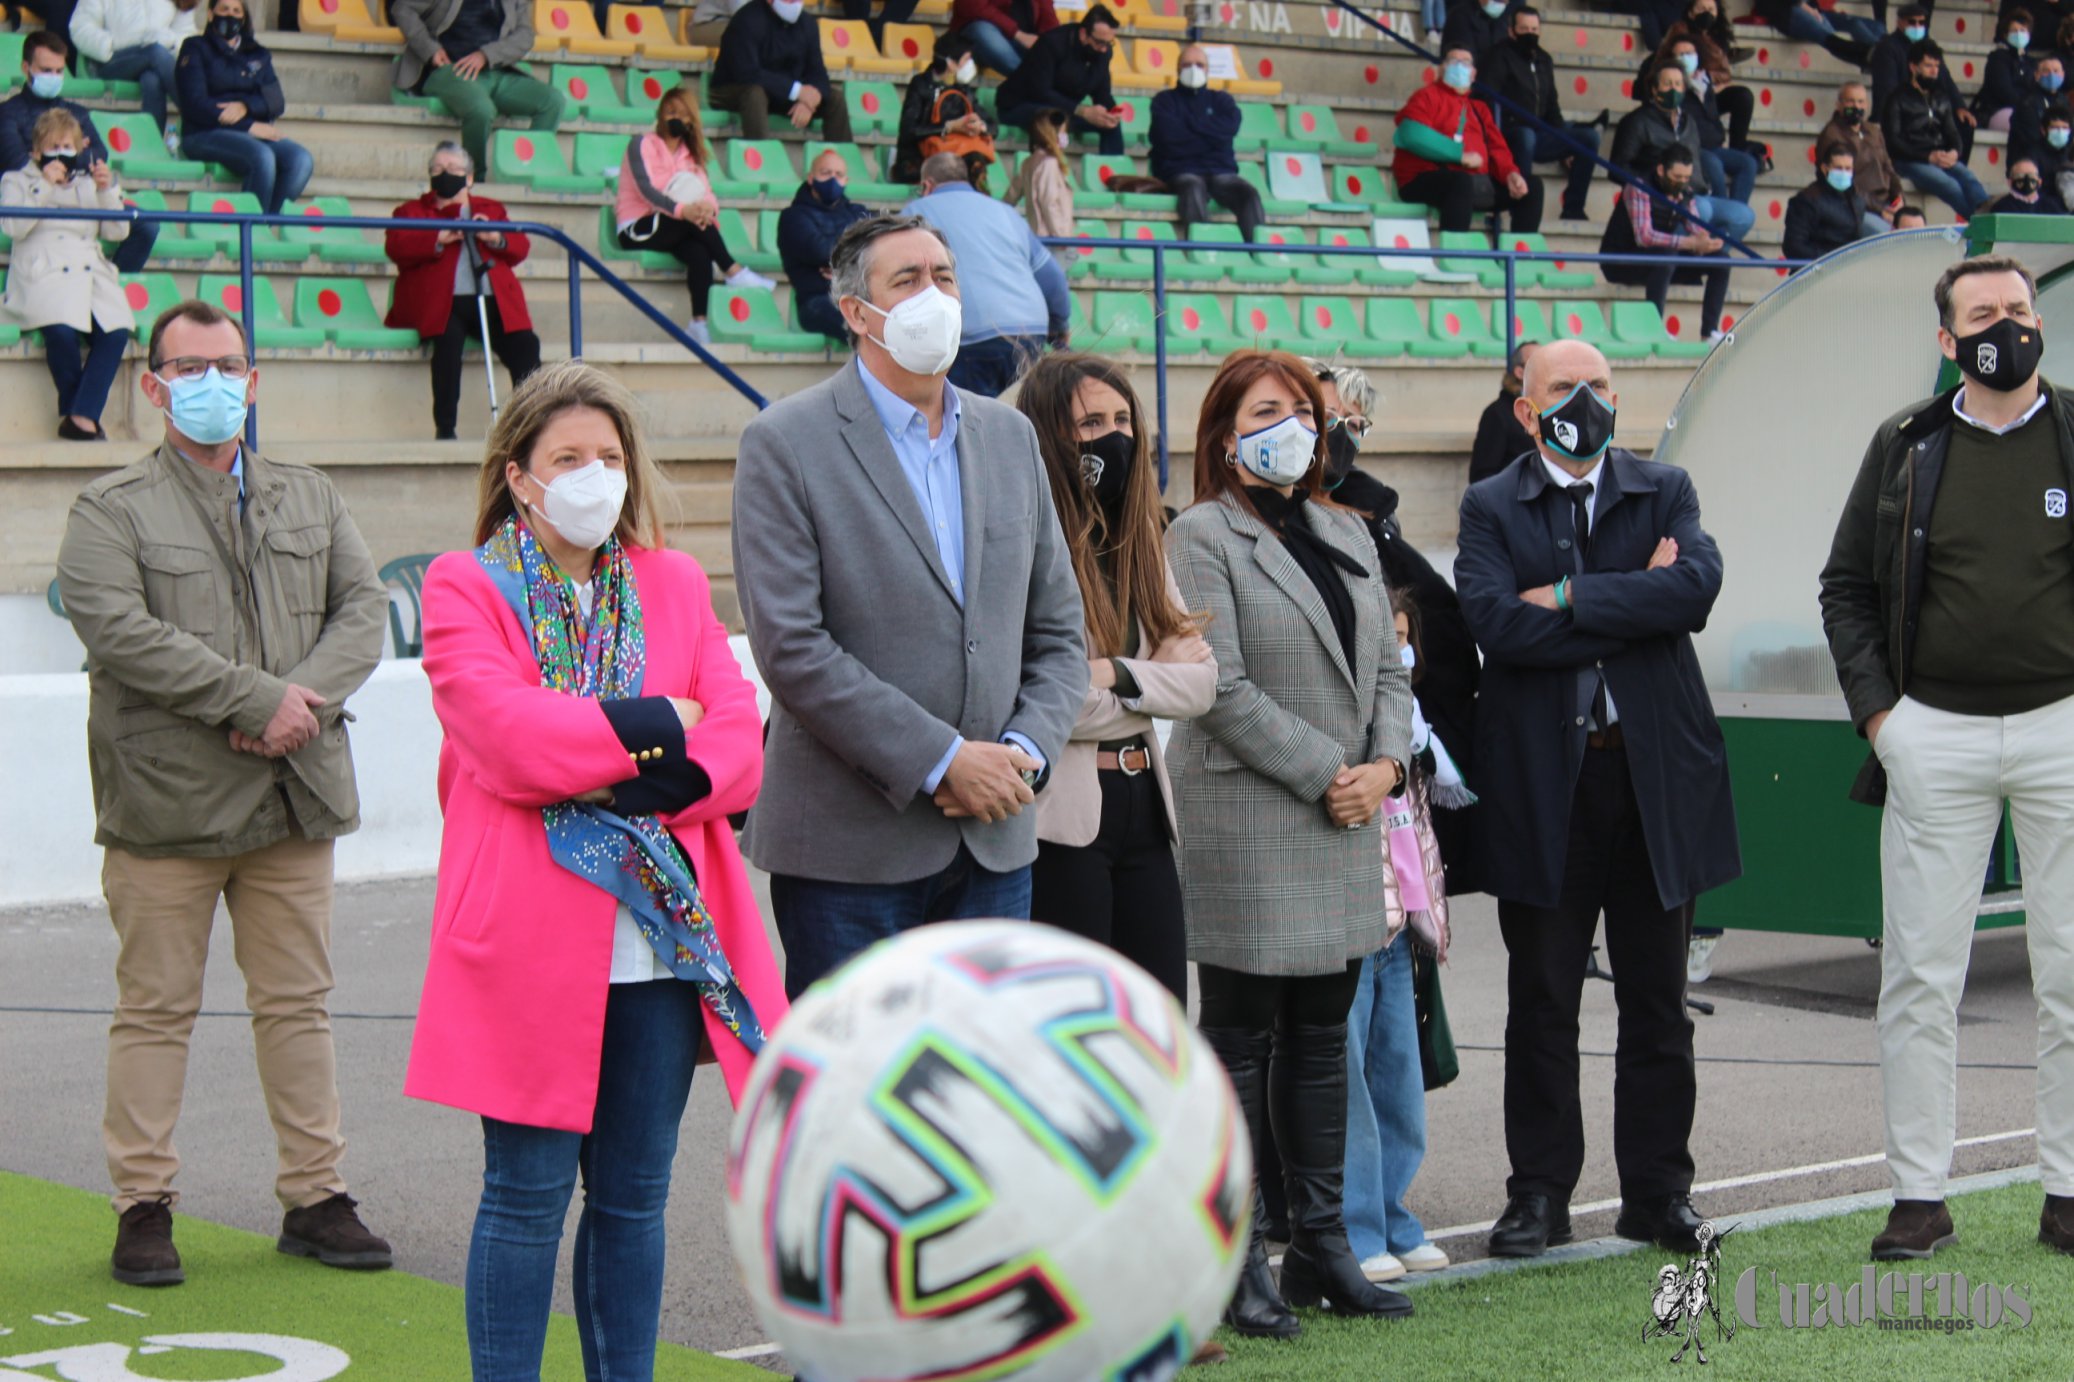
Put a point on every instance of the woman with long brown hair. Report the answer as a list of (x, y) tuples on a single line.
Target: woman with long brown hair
[(666, 204), (1105, 825), (1279, 786)]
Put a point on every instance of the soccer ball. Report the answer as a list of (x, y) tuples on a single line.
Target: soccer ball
[(988, 1150)]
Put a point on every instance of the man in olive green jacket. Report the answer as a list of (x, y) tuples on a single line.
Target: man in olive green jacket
[(228, 607)]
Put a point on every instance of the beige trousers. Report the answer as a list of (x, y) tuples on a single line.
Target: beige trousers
[(280, 910), (1948, 776)]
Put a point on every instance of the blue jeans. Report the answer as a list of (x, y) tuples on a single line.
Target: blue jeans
[(1731, 173), (991, 47), (150, 66), (1812, 26), (1955, 186), (1386, 1106), (135, 251), (819, 313), (274, 172), (1732, 219), (824, 925), (652, 1034), (83, 389), (1434, 14), (1524, 141), (989, 367)]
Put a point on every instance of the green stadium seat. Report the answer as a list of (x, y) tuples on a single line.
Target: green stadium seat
[(138, 150), (646, 86), (1137, 118), (1081, 263), (1371, 188), (591, 95), (597, 156), (1370, 273), (749, 316), (1200, 317), (760, 255), (764, 165), (534, 158), (400, 97), (1259, 126), (272, 328), (1331, 324), (1307, 269), (1076, 317), (1134, 263), (1638, 323), (1093, 194), (1580, 320), (609, 246), (1256, 173), (1128, 321), (1317, 128), (267, 245), (1412, 234), (793, 322), (407, 574), (1395, 321), (1264, 319), (173, 241), (1530, 321), (1296, 175), (1197, 266), (1462, 320), (343, 310), (335, 244), (1543, 273), (1006, 161), (1489, 273), (865, 183), (874, 106), (1255, 270), (11, 76)]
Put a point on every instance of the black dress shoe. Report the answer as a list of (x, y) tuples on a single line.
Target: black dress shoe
[(72, 431), (1530, 1226), (1669, 1221)]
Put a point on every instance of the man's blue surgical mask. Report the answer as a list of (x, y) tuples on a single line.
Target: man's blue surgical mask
[(1916, 33), (2052, 81), (828, 190), (1494, 8), (47, 85), (1690, 62), (1840, 178), (1457, 75), (209, 410), (2057, 136)]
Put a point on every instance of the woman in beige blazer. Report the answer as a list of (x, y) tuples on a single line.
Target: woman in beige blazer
[(1043, 184), (58, 280), (1105, 823)]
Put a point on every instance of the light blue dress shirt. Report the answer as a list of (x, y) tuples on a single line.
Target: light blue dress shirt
[(931, 467)]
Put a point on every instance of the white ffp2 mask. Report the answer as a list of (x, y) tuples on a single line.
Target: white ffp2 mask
[(584, 504), (1281, 454), (922, 332)]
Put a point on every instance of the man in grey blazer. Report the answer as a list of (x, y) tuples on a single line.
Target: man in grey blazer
[(912, 608)]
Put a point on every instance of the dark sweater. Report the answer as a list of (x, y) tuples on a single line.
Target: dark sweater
[(807, 232), (1995, 635), (1059, 72), (1820, 219), (18, 116), (211, 74), (479, 24), (1500, 440), (1192, 132), (760, 49)]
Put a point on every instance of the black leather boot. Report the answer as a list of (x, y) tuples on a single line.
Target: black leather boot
[(1256, 1309), (1308, 1098)]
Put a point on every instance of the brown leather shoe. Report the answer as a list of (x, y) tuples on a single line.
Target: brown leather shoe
[(1209, 1354), (332, 1233), (2056, 1223), (1915, 1229), (144, 1252)]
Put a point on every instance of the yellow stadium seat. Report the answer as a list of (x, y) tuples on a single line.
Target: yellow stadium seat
[(1153, 16), (914, 44), (350, 21), (1242, 82), (846, 46), (648, 29), (569, 24)]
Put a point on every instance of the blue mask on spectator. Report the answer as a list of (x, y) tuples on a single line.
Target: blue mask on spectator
[(209, 410), (46, 85), (1916, 33), (1840, 178), (1456, 75), (828, 190), (1495, 8), (2052, 81), (2058, 137)]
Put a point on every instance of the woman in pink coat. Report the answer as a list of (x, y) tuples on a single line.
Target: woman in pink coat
[(594, 930)]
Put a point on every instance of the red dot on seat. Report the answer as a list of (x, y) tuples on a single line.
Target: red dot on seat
[(1371, 74), (1362, 135), (1191, 320), (1807, 107), (1671, 325), (1104, 172), (233, 298), (579, 88), (1275, 238), (1764, 56), (1522, 246), (523, 148), (1969, 70), (1811, 153), (1780, 272), (1324, 316), (1727, 322), (633, 23), (119, 139), (841, 38), (223, 206), (738, 308), (1627, 43), (1339, 240), (313, 211), (1962, 29), (753, 159), (1582, 85), (330, 303), (1144, 232), (911, 48), (1309, 122), (1294, 165), (1267, 67), (559, 18), (1130, 112), (1584, 40), (328, 6), (1403, 242), (1994, 155), (1764, 96), (870, 102), (1259, 319), (1806, 61), (1776, 210), (1354, 184), (137, 296), (1627, 88), (1574, 324), (1155, 57), (651, 87), (1451, 324)]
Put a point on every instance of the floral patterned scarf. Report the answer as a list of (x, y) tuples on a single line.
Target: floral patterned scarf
[(634, 858)]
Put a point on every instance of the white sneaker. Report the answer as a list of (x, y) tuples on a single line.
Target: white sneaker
[(1426, 1257), (746, 277), (1433, 38), (1718, 335), (698, 331), (1699, 959), (173, 142), (1382, 1267)]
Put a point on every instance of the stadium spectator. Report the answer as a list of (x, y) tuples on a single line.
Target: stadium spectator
[(1889, 70), (1661, 121), (43, 73), (1922, 132), (1852, 130), (1002, 31), (2034, 104), (1729, 170), (251, 777), (1960, 596), (1105, 825), (769, 61), (1713, 39), (1849, 37), (576, 664), (2054, 156), (469, 56), (890, 12), (1450, 155), (2009, 71), (136, 40), (807, 234), (941, 114), (1014, 294), (1043, 182), (1589, 667), (1193, 148), (1666, 224), (1500, 439), (1068, 69), (709, 21), (1828, 213), (1518, 69), (1476, 26), (450, 285), (229, 100), (903, 750), (60, 282), (2027, 195), (1434, 15), (1284, 871), (1910, 218), (666, 205)]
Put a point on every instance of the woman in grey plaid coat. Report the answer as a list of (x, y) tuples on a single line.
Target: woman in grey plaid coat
[(1279, 788)]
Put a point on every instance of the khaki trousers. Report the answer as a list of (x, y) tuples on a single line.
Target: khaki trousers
[(280, 909), (1947, 777)]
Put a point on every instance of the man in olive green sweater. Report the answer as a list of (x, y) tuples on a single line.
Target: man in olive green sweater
[(1949, 603), (228, 608)]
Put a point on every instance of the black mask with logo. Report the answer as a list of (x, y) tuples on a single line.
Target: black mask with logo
[(228, 27), (2003, 357), (1580, 427), (1341, 446), (447, 186), (1105, 467)]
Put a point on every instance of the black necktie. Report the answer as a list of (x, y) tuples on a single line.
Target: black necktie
[(1592, 684)]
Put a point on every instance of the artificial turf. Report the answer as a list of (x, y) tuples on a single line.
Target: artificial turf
[(55, 1294), (1585, 1320)]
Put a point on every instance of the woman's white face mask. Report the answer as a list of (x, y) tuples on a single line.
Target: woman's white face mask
[(584, 504)]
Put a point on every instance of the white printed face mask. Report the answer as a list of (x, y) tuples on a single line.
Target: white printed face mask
[(1281, 454), (922, 332), (1194, 77), (584, 504)]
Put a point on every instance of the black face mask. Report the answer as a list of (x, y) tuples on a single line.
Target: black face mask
[(1341, 446), (1105, 467), (677, 128), (227, 28), (447, 186), (1851, 115), (1527, 43), (1580, 427), (2026, 186), (2002, 357)]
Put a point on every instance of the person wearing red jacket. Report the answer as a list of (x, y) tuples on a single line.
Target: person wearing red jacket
[(999, 30), (441, 281), (1451, 156)]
